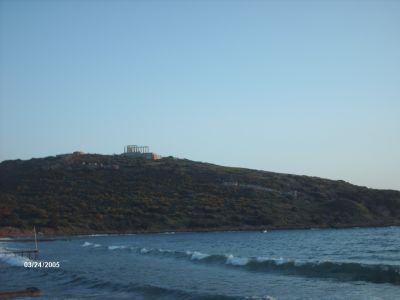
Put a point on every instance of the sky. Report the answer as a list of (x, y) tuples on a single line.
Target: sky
[(301, 87)]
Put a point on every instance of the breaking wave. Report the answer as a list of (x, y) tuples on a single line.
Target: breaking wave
[(346, 271), (12, 259)]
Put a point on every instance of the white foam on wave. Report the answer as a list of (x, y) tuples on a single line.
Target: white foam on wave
[(94, 235), (153, 250), (100, 234), (165, 250), (116, 247), (261, 298), (261, 259), (12, 260), (88, 244), (196, 255), (280, 261), (277, 261), (236, 261)]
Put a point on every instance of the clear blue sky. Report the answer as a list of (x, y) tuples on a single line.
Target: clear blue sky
[(303, 87)]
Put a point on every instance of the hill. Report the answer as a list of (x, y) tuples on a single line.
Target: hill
[(82, 193)]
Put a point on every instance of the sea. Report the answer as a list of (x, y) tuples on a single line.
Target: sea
[(357, 263)]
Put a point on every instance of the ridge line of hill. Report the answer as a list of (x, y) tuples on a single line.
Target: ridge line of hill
[(116, 193)]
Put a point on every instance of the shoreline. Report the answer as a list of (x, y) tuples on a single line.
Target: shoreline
[(12, 232)]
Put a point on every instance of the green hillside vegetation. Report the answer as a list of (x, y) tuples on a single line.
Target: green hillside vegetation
[(104, 193)]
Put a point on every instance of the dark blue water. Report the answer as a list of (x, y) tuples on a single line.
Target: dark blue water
[(298, 264)]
